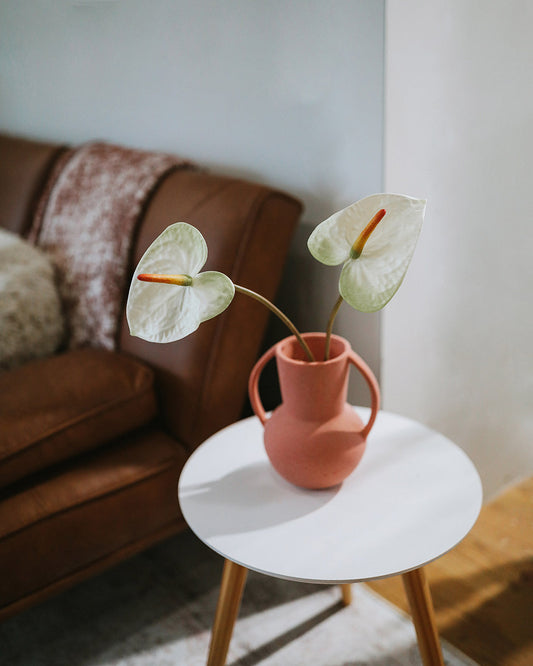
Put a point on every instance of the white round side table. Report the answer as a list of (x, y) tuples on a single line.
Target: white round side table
[(412, 498)]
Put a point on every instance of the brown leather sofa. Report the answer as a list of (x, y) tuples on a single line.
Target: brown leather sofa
[(92, 441)]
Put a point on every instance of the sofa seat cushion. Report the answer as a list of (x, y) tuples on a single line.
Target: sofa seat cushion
[(89, 509), (56, 408)]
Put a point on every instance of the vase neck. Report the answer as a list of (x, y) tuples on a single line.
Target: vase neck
[(314, 391)]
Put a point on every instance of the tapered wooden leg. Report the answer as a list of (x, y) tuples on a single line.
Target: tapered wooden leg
[(346, 590), (229, 600), (421, 605)]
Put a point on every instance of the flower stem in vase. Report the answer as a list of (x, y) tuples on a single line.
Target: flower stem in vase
[(278, 313), (329, 328)]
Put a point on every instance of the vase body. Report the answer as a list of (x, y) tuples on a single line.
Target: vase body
[(314, 439)]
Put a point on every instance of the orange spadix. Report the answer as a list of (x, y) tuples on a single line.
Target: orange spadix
[(359, 244), (180, 280)]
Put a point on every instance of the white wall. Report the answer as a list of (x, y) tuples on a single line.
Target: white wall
[(286, 92), (457, 339)]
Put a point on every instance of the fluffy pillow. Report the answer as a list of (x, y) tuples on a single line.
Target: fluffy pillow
[(31, 320)]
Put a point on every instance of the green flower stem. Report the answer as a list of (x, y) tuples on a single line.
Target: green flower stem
[(278, 313), (330, 326)]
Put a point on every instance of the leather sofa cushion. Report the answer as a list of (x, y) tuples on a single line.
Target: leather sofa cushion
[(111, 500), (56, 408)]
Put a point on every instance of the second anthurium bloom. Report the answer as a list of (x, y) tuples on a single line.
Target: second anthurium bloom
[(375, 239)]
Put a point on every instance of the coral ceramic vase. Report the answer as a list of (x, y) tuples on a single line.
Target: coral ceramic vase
[(314, 439)]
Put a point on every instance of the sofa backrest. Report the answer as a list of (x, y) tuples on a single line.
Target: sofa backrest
[(24, 168), (201, 380)]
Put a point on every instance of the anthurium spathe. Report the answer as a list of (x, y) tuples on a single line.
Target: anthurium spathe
[(375, 239), (169, 297)]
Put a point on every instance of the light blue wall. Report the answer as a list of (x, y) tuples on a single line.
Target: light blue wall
[(289, 92)]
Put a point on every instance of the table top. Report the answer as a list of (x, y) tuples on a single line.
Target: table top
[(412, 498)]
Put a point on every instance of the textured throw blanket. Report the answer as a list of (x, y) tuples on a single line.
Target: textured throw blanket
[(86, 221)]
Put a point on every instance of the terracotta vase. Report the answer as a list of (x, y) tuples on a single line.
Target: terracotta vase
[(314, 439)]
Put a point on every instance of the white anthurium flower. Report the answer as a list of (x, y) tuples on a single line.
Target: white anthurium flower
[(169, 298), (375, 239)]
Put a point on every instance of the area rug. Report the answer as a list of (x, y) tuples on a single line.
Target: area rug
[(157, 608)]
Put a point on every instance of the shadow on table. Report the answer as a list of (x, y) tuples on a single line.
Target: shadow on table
[(231, 498)]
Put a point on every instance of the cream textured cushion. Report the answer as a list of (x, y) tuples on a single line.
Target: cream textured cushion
[(31, 320)]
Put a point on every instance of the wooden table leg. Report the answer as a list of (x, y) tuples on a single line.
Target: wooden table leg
[(421, 605), (229, 600), (346, 590)]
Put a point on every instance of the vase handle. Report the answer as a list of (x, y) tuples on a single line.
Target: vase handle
[(253, 385), (373, 385)]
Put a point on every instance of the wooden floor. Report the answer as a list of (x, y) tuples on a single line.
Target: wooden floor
[(483, 589)]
